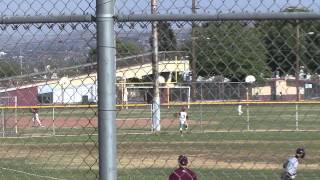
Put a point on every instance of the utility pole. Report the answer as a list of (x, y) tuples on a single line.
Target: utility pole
[(155, 72), (194, 57)]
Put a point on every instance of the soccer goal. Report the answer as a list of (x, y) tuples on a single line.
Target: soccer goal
[(144, 94), (9, 122)]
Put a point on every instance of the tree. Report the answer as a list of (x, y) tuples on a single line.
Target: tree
[(280, 43), (123, 49), (286, 41), (166, 37), (9, 68), (311, 51), (230, 49), (126, 48)]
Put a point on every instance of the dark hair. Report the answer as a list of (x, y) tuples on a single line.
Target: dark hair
[(301, 152), (183, 160)]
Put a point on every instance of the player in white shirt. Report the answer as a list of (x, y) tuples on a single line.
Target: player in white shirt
[(239, 109), (183, 116), (291, 165)]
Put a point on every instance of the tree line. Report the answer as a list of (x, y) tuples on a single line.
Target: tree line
[(235, 49)]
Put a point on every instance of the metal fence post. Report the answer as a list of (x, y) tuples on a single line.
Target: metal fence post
[(106, 90), (3, 122), (156, 126), (201, 112), (53, 125), (297, 117)]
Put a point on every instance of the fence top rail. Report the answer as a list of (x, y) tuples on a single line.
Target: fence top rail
[(219, 17), (162, 17), (46, 19)]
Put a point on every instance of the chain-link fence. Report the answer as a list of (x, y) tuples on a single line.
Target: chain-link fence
[(246, 73), (47, 93), (252, 69)]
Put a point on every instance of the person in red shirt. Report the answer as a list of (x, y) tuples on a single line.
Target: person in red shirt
[(183, 173)]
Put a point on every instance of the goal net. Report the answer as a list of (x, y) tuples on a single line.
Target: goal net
[(144, 94), (8, 124)]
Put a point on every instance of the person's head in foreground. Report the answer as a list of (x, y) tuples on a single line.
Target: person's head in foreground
[(183, 160), (300, 153), (183, 173)]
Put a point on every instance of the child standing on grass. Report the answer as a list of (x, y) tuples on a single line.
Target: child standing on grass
[(35, 117), (239, 109), (183, 116)]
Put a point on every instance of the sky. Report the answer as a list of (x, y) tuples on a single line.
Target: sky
[(56, 7), (212, 6), (126, 7)]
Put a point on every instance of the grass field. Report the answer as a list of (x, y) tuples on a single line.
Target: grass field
[(226, 118), (218, 144), (223, 155)]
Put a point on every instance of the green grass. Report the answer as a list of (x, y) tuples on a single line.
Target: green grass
[(38, 173), (225, 118), (219, 145), (206, 149), (59, 131), (207, 117), (48, 140), (223, 136), (268, 147)]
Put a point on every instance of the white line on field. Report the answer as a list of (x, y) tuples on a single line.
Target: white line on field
[(132, 119), (220, 131), (48, 177), (166, 132), (25, 136)]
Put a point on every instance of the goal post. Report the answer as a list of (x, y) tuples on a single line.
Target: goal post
[(133, 96), (9, 119), (168, 95)]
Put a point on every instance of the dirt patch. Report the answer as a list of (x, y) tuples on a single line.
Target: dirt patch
[(73, 156)]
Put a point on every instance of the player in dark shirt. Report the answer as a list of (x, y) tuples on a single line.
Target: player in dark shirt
[(183, 173)]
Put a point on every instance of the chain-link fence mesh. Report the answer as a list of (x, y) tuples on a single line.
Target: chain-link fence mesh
[(246, 73), (252, 78), (47, 66)]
